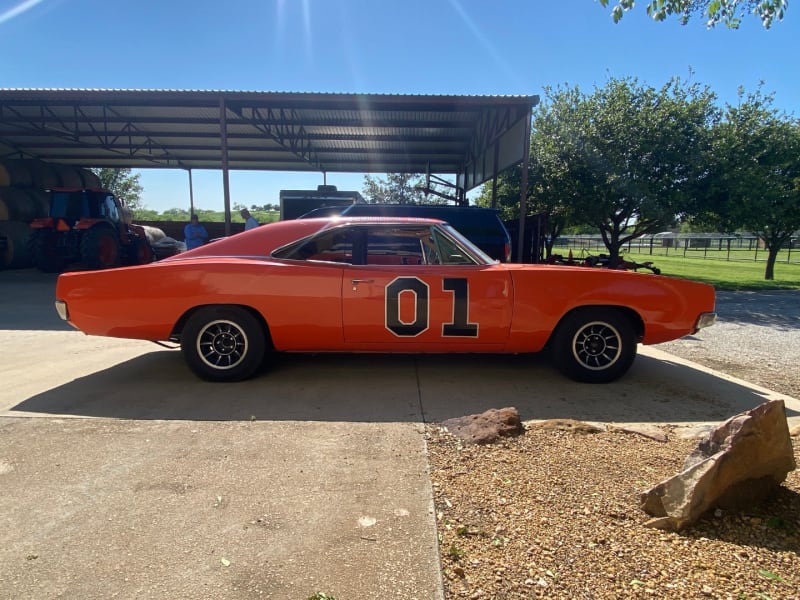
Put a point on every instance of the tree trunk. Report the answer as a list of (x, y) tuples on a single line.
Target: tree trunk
[(613, 253), (772, 256)]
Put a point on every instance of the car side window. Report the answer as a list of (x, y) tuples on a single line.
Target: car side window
[(394, 245), (335, 245)]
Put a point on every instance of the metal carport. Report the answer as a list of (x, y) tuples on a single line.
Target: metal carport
[(470, 137)]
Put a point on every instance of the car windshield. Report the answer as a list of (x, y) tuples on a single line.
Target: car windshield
[(386, 244)]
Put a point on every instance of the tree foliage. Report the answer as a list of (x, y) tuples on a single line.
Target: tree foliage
[(123, 183), (395, 188), (754, 174), (727, 12), (625, 159)]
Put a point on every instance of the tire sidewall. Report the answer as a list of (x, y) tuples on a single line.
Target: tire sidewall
[(91, 247), (240, 318), (44, 253), (563, 352)]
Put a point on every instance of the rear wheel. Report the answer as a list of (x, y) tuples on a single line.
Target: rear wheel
[(594, 345), (223, 343), (44, 251), (139, 252), (100, 248)]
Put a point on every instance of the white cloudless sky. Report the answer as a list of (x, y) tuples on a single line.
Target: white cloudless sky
[(371, 46)]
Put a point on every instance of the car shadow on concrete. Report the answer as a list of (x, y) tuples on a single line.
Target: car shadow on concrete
[(394, 388)]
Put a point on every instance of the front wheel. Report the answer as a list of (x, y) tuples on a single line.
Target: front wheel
[(223, 344), (43, 245), (594, 345)]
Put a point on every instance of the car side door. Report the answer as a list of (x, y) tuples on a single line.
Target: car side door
[(404, 299)]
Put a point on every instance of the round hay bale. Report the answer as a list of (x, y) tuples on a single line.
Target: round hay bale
[(15, 173), (90, 180), (69, 177), (18, 204), (44, 176), (17, 254), (154, 234)]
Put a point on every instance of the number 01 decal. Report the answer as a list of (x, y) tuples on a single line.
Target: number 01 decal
[(459, 326)]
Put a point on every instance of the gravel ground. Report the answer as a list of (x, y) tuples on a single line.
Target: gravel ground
[(553, 514)]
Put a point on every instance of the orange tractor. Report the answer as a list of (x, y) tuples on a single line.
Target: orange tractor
[(89, 226)]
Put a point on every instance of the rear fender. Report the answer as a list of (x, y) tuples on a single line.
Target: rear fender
[(630, 314), (175, 336)]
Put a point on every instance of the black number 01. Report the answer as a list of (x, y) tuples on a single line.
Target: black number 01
[(458, 327)]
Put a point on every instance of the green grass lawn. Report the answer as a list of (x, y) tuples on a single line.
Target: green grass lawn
[(725, 275)]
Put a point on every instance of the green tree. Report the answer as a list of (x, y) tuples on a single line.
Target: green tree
[(754, 168), (637, 156), (544, 197), (394, 188), (626, 159), (727, 12), (123, 184)]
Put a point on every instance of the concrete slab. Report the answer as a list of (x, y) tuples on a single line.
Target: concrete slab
[(131, 509)]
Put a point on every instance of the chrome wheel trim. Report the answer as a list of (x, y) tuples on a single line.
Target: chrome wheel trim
[(222, 344), (597, 346)]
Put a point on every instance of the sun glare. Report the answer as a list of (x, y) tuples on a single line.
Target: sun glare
[(17, 10)]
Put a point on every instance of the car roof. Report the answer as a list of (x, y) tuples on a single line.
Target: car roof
[(263, 240)]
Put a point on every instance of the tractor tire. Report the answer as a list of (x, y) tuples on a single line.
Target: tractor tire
[(100, 248), (43, 245), (139, 252)]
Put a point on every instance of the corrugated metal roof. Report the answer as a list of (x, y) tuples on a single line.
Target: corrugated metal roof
[(277, 131)]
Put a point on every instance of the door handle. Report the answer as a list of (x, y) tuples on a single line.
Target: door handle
[(355, 282)]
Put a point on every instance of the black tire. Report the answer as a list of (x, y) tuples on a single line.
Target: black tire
[(139, 252), (594, 345), (100, 248), (224, 343), (44, 251)]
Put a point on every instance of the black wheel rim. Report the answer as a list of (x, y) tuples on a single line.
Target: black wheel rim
[(597, 346), (222, 345)]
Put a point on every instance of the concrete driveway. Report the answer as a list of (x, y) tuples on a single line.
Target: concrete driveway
[(138, 480)]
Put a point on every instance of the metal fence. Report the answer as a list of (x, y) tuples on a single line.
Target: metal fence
[(703, 246)]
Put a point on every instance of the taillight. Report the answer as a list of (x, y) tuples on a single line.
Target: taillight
[(507, 249), (61, 225)]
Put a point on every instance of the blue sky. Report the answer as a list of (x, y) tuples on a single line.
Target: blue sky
[(371, 46)]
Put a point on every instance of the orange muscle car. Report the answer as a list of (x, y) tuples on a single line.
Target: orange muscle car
[(379, 285)]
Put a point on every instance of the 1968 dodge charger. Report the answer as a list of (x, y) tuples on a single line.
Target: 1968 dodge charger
[(379, 285)]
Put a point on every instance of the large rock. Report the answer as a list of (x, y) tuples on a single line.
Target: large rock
[(486, 427), (738, 465)]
